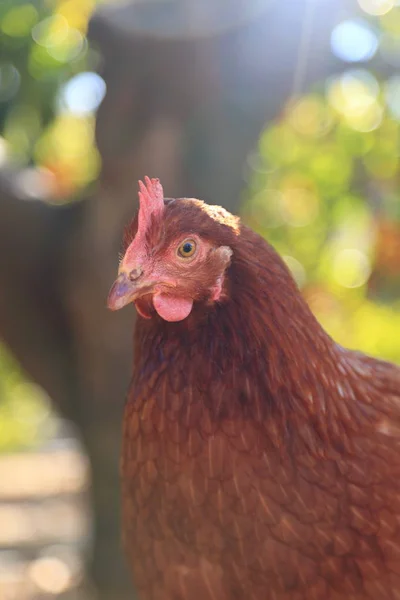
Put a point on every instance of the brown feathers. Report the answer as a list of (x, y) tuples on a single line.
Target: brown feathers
[(261, 461)]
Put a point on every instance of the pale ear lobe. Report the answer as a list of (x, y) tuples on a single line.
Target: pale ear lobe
[(224, 253)]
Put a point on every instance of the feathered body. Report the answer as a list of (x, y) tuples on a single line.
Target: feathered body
[(261, 461)]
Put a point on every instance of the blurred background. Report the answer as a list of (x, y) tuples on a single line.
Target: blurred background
[(287, 112)]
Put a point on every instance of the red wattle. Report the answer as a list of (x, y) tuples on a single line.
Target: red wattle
[(172, 308)]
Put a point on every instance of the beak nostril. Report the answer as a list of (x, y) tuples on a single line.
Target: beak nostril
[(135, 273)]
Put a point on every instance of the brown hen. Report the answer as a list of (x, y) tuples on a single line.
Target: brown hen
[(261, 461)]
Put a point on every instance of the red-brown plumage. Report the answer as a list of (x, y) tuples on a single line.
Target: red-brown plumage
[(260, 459)]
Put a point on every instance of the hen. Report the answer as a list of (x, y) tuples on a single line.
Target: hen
[(261, 461)]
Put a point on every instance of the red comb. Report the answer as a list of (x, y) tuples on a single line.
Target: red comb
[(151, 201), (151, 205)]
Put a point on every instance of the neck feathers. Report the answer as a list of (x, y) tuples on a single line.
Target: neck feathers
[(259, 355)]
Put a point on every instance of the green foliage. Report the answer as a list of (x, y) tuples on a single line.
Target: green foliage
[(43, 44), (324, 193), (25, 418)]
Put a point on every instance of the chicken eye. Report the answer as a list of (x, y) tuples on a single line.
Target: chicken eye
[(187, 248)]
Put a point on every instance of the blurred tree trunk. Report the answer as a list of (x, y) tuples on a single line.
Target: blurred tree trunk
[(187, 106)]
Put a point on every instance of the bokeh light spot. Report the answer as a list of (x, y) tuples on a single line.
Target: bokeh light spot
[(376, 7), (19, 21), (34, 182), (368, 120), (77, 12), (82, 94), (67, 150), (51, 31), (70, 48), (50, 574), (351, 268), (353, 91), (355, 95), (354, 41)]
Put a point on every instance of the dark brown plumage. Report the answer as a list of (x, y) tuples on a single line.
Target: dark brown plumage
[(261, 461)]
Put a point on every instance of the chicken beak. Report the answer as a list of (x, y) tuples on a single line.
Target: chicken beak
[(125, 289)]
